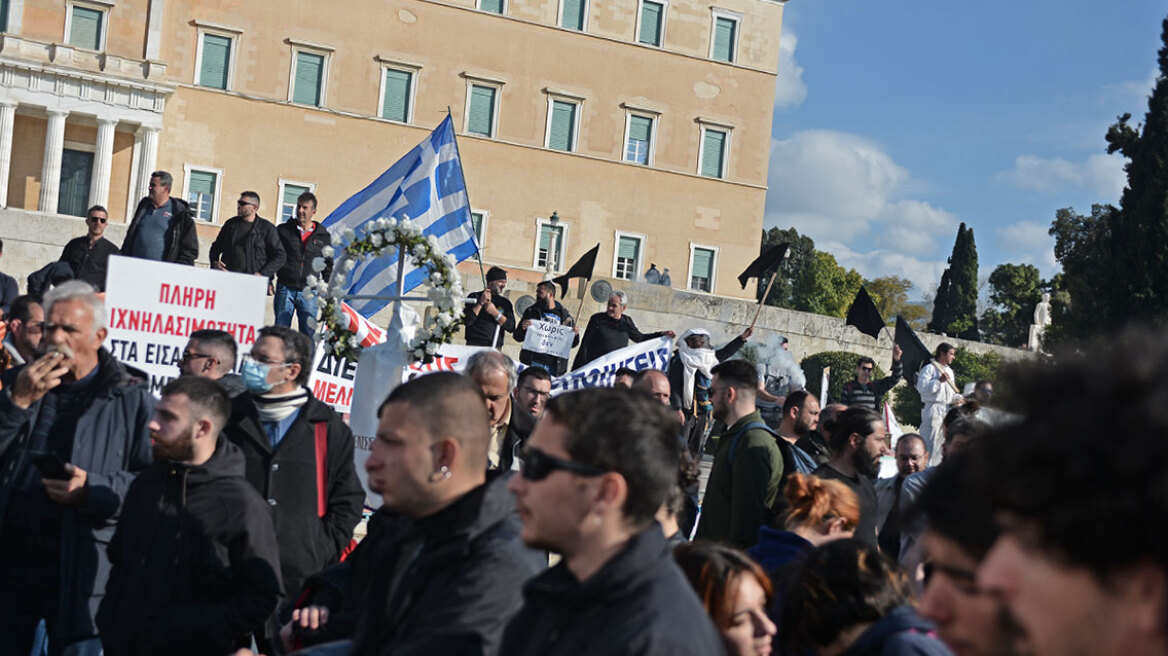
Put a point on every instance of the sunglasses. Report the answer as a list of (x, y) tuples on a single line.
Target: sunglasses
[(244, 202), (865, 368), (99, 219), (538, 465)]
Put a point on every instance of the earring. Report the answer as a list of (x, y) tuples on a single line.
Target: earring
[(440, 475), (596, 520)]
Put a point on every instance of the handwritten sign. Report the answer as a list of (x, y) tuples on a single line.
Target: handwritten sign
[(153, 307), (549, 338)]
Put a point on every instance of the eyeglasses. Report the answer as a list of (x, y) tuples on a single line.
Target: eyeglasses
[(538, 465), (865, 368), (263, 360), (99, 219), (242, 202), (187, 356)]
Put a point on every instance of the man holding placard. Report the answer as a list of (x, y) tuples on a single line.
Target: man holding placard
[(548, 332)]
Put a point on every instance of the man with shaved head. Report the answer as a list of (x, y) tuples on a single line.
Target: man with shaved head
[(441, 569), (654, 382)]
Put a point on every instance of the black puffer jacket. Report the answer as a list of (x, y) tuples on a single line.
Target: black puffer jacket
[(638, 603), (182, 240), (262, 250), (195, 562), (456, 596), (299, 254)]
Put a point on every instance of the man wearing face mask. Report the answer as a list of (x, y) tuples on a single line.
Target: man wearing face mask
[(299, 455)]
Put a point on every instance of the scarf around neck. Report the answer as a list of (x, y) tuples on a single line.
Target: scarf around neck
[(277, 407), (694, 361)]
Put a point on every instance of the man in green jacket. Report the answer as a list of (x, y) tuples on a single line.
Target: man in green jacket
[(748, 466)]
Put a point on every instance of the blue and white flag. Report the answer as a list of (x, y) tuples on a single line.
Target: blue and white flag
[(425, 186)]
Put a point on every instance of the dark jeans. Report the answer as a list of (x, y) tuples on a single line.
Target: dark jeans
[(28, 594)]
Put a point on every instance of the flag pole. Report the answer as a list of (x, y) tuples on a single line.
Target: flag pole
[(581, 308), (762, 300)]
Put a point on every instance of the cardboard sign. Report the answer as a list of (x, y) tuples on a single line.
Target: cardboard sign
[(153, 307), (549, 338)]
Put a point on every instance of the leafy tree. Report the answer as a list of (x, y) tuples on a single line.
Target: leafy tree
[(967, 368), (955, 306), (801, 254), (1014, 291), (1083, 297), (825, 287), (1139, 228), (890, 293)]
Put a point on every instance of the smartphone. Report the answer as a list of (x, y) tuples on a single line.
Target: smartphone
[(51, 466)]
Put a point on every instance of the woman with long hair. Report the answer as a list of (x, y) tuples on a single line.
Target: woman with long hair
[(735, 592)]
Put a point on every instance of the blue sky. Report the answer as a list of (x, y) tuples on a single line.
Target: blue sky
[(896, 121)]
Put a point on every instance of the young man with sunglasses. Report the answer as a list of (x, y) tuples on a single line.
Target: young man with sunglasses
[(88, 256), (248, 242), (441, 568), (863, 391), (595, 471)]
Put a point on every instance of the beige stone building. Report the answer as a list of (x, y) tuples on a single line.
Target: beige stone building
[(644, 124)]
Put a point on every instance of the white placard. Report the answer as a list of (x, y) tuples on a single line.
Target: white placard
[(153, 307), (549, 338)]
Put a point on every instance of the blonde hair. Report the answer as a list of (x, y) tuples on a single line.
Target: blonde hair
[(813, 500)]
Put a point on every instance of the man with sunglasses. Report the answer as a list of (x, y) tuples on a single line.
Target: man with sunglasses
[(863, 391), (595, 471), (248, 243), (88, 256)]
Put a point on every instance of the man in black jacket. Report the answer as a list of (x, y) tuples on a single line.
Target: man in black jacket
[(299, 455), (491, 316), (596, 470), (610, 331), (546, 308), (248, 243), (162, 228), (76, 405), (88, 256), (195, 562), (304, 240), (441, 569)]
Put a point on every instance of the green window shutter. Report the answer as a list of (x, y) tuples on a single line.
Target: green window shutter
[(292, 192), (628, 248), (476, 222), (482, 111), (573, 14), (713, 153), (85, 29), (396, 102), (724, 29), (651, 15), (640, 128), (3, 15), (202, 182), (216, 59), (493, 6), (703, 263), (309, 75), (563, 126)]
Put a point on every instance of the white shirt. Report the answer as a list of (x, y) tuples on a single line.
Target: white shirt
[(932, 388)]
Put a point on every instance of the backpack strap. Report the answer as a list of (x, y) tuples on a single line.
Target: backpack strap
[(320, 430), (742, 431)]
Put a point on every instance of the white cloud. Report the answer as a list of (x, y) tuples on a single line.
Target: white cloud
[(846, 193), (790, 90), (1130, 94), (1029, 242), (1099, 173)]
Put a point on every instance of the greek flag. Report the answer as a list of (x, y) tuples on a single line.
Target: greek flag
[(427, 187)]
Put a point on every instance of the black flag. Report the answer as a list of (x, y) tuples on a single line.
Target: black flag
[(914, 355), (864, 315), (765, 262), (581, 269)]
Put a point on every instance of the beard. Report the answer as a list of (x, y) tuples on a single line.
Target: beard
[(181, 450), (865, 465)]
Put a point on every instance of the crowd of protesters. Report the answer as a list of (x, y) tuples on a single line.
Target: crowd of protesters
[(219, 518)]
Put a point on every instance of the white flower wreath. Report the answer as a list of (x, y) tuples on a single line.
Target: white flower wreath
[(379, 237)]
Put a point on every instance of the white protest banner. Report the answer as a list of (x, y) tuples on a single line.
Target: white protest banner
[(332, 380), (549, 338), (649, 354), (153, 307)]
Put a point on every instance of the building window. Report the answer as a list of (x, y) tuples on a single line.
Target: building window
[(544, 246), (478, 222), (480, 110), (202, 192), (214, 60), (651, 23), (712, 156), (493, 6), (639, 139), (4, 15), (702, 261), (627, 258), (724, 40), (289, 192), (563, 116), (573, 14), (85, 27), (308, 77), (76, 172), (396, 93)]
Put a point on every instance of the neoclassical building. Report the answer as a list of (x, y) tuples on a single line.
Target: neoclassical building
[(643, 124)]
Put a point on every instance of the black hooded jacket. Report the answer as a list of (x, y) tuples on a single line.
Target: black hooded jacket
[(459, 576), (195, 563), (639, 603)]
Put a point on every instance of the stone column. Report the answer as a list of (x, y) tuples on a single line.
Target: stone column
[(7, 119), (99, 185), (147, 160), (51, 170)]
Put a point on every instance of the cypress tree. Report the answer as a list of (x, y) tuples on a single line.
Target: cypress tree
[(955, 306)]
